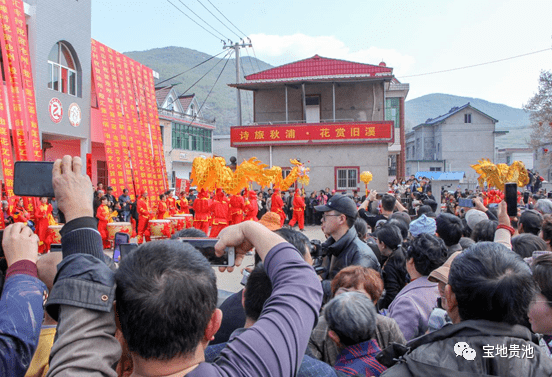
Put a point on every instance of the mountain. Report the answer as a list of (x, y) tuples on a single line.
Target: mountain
[(221, 103), (515, 121)]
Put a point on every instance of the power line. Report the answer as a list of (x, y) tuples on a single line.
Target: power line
[(250, 63), (242, 33), (201, 78), (256, 59), (208, 94), (223, 24), (476, 65), (246, 94), (195, 66), (194, 21), (195, 14)]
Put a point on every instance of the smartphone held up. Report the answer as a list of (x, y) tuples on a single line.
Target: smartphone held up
[(206, 246), (511, 197)]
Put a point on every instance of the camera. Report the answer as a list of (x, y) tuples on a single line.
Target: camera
[(318, 252)]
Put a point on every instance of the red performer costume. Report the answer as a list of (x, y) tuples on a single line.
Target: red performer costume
[(44, 218), (237, 204), (251, 207), (298, 210), (202, 211), (19, 213), (219, 209), (183, 203), (277, 205), (162, 210), (171, 204), (143, 217), (103, 218)]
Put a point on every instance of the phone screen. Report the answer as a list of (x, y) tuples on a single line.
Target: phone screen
[(33, 179), (510, 195), (206, 246), (464, 202)]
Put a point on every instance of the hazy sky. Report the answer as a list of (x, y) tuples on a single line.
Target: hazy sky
[(412, 36)]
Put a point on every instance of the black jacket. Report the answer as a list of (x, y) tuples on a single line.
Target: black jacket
[(395, 277), (433, 354), (349, 250)]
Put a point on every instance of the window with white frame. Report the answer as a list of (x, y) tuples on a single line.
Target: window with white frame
[(62, 70), (347, 178)]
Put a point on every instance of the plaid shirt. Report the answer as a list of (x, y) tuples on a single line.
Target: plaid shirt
[(360, 360)]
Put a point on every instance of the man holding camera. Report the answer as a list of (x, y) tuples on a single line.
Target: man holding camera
[(166, 300), (343, 247)]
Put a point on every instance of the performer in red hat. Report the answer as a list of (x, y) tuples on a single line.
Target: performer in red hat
[(251, 207), (19, 213), (202, 211), (44, 218), (237, 204), (219, 210), (103, 218), (144, 215), (298, 211), (162, 210), (277, 206)]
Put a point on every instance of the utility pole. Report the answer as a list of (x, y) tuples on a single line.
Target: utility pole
[(236, 46)]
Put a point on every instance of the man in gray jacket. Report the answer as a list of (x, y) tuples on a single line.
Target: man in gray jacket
[(343, 247), (487, 297)]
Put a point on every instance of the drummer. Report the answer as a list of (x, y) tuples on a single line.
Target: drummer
[(143, 219), (103, 218), (183, 203), (44, 218), (162, 210), (171, 202)]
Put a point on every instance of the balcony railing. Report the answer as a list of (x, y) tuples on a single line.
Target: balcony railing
[(301, 121), (183, 116)]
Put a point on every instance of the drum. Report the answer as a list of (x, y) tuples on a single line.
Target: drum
[(177, 223), (160, 228), (189, 218), (55, 230), (113, 228)]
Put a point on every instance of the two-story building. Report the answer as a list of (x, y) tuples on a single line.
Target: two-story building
[(337, 117), (185, 133), (452, 142)]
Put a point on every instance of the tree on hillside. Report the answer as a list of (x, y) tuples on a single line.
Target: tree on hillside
[(540, 108)]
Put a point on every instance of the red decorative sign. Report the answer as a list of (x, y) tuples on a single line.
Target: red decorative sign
[(55, 109), (313, 134)]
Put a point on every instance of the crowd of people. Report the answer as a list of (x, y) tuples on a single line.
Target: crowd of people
[(463, 289)]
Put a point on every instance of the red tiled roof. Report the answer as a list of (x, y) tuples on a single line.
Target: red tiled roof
[(320, 66), (161, 94), (186, 100)]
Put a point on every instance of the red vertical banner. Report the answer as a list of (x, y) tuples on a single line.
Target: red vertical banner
[(35, 152), (98, 67), (12, 75), (5, 146), (145, 134), (115, 174), (133, 132), (159, 159), (121, 145), (125, 125), (89, 165)]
